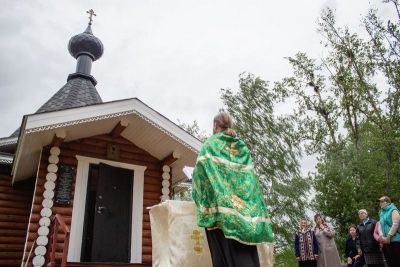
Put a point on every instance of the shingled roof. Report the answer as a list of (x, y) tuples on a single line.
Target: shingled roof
[(76, 92)]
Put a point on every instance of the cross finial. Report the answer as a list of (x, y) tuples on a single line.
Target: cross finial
[(91, 12)]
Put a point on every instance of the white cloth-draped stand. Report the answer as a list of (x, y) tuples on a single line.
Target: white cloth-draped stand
[(177, 241)]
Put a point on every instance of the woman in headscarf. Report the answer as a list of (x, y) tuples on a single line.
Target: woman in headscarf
[(366, 243), (328, 254)]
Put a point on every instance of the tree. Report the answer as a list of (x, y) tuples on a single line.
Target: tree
[(274, 154), (346, 118), (194, 130)]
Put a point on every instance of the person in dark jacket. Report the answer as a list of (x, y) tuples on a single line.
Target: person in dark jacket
[(350, 249), (306, 246), (365, 241)]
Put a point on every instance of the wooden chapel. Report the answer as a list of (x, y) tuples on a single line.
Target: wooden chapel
[(78, 175)]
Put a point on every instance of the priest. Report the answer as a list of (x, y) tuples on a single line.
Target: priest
[(229, 199)]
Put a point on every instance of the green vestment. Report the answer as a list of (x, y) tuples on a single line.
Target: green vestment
[(227, 191)]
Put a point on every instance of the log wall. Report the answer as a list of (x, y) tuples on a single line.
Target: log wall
[(96, 147), (15, 207)]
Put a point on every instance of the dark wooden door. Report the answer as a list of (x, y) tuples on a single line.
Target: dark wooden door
[(112, 219)]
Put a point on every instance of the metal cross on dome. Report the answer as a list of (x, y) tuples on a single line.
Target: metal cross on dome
[(91, 12)]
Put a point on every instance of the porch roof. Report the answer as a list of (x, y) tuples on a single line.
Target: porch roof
[(146, 128)]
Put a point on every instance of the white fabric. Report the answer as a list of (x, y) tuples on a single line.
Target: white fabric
[(172, 227)]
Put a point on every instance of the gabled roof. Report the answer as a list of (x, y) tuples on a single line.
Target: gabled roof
[(6, 158), (8, 144), (146, 128)]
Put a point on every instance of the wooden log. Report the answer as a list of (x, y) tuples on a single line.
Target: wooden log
[(11, 247), (13, 197), (146, 212), (146, 250), (32, 236), (116, 140), (60, 237), (152, 195), (14, 225), (58, 138), (72, 161), (11, 204), (148, 180), (150, 163), (152, 173), (14, 211), (11, 190), (123, 147), (12, 240), (40, 190), (146, 226), (33, 227), (95, 154), (150, 203), (171, 158), (101, 154), (35, 217), (12, 233), (10, 255), (146, 217), (13, 218), (146, 258), (5, 183), (153, 188), (146, 234), (42, 178), (119, 128), (92, 142), (64, 211), (10, 263), (77, 147), (37, 200)]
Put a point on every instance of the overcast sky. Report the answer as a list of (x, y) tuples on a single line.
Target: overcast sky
[(174, 55)]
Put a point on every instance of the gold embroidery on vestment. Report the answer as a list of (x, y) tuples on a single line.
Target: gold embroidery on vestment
[(232, 150), (197, 236), (229, 211), (237, 202), (224, 161)]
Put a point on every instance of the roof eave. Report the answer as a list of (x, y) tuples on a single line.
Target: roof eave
[(51, 121)]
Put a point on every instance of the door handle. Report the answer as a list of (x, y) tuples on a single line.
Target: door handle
[(99, 209)]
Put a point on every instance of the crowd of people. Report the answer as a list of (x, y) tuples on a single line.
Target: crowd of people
[(371, 242), (231, 207)]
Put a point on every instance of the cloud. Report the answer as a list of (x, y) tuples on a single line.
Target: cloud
[(173, 55)]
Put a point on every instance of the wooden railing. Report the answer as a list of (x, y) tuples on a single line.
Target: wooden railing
[(51, 255)]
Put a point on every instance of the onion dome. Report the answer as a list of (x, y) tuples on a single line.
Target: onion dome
[(86, 44)]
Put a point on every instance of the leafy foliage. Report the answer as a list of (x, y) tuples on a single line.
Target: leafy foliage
[(194, 130), (274, 154), (347, 118), (285, 258)]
